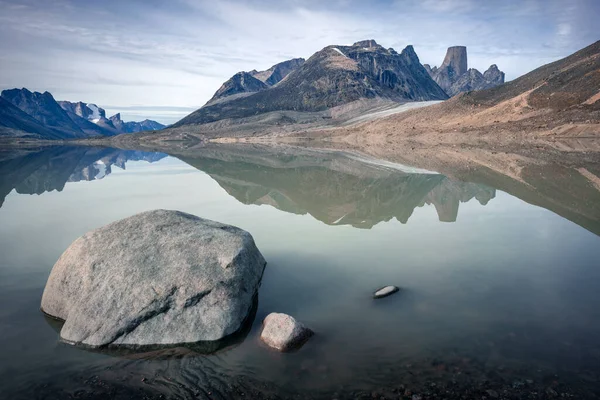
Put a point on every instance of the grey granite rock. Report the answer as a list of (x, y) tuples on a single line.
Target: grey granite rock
[(159, 277), (283, 332)]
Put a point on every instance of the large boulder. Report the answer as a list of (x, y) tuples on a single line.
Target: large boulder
[(283, 332), (160, 277)]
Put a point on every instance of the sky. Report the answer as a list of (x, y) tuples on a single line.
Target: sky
[(162, 60)]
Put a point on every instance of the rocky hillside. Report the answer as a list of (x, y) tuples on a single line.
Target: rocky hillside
[(558, 99), (332, 77), (454, 77)]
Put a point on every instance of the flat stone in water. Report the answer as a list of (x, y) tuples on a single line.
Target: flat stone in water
[(385, 291)]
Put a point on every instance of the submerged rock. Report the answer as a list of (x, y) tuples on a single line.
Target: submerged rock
[(159, 277), (385, 291), (283, 332)]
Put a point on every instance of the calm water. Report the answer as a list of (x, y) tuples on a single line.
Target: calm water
[(500, 297)]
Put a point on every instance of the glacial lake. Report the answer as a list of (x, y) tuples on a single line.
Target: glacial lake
[(499, 288)]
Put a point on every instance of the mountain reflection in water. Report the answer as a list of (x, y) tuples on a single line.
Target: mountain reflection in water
[(48, 169), (339, 190), (332, 187)]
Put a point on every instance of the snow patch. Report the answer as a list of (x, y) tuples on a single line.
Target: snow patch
[(95, 117), (339, 51)]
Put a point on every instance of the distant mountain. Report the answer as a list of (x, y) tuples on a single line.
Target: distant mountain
[(143, 126), (91, 112), (15, 122), (454, 77), (43, 108), (94, 117), (34, 115), (334, 76), (113, 125), (132, 126)]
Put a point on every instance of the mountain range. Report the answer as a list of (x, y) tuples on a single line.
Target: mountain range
[(38, 115), (335, 85)]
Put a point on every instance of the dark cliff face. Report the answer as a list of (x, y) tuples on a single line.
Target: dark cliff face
[(334, 76), (456, 60), (43, 108), (454, 77)]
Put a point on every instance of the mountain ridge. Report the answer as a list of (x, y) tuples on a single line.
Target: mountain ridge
[(331, 77)]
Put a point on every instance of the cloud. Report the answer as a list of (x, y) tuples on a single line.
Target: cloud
[(178, 53), (564, 29)]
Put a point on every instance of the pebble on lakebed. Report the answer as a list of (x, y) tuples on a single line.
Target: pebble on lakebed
[(283, 332), (385, 291)]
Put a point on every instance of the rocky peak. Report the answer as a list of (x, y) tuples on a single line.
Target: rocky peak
[(410, 54), (494, 75), (242, 82), (456, 59), (454, 77)]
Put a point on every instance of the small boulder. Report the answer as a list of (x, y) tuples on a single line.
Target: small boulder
[(283, 332), (156, 278), (385, 291)]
